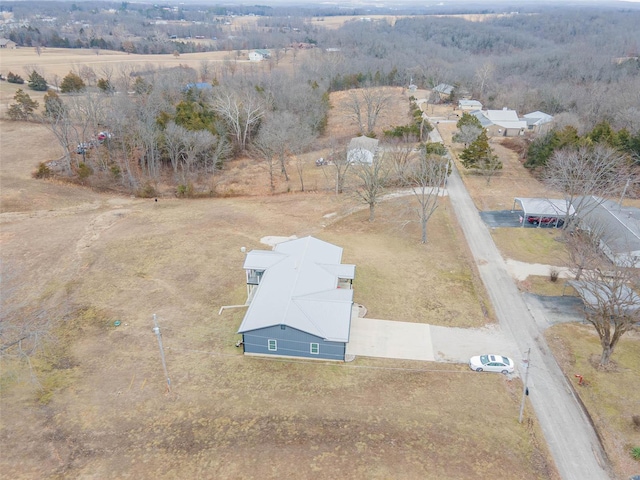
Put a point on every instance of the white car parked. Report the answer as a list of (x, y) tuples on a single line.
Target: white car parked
[(491, 363)]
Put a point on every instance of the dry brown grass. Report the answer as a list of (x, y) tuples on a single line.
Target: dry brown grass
[(612, 396), (574, 345), (532, 245), (88, 259)]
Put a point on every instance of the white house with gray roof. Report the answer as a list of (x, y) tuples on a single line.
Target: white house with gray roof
[(300, 301), (504, 123)]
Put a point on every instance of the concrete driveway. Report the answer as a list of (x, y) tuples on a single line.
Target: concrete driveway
[(419, 341), (388, 339)]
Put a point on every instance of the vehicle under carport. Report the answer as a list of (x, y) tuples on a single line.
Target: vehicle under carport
[(542, 211)]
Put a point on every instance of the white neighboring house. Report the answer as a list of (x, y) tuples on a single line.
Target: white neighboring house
[(362, 150), (259, 55), (469, 105), (538, 122), (504, 123), (8, 44)]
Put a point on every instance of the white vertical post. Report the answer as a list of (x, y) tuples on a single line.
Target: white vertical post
[(156, 330)]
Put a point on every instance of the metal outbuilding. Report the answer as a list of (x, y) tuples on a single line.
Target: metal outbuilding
[(542, 208)]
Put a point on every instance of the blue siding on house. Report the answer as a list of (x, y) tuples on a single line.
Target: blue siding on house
[(292, 342)]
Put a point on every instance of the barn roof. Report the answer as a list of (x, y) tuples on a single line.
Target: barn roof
[(299, 289)]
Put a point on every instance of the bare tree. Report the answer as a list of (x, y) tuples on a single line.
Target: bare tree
[(612, 305), (483, 75), (400, 156), (427, 179), (584, 174), (206, 70), (339, 165), (373, 177), (366, 105), (174, 144), (195, 143), (284, 134), (467, 134), (263, 148), (241, 111), (583, 248)]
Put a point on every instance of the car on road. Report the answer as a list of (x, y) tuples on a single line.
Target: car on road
[(491, 363), (545, 221)]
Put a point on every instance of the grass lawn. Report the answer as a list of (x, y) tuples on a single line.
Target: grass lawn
[(531, 245), (612, 395), (101, 407)]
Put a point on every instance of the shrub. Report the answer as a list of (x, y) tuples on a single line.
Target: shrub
[(554, 274), (72, 83), (635, 453), (13, 78), (435, 148), (37, 82), (105, 85), (84, 171), (147, 191), (43, 171), (185, 190)]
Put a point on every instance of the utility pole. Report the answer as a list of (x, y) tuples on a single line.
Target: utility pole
[(624, 192), (156, 330), (525, 388)]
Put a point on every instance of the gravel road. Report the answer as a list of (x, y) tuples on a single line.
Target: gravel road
[(569, 434)]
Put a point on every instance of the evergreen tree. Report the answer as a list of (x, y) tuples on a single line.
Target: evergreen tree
[(14, 78), (53, 106), (468, 119), (105, 85), (480, 156), (72, 83), (23, 108), (37, 82)]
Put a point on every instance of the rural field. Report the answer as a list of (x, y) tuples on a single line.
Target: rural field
[(95, 401)]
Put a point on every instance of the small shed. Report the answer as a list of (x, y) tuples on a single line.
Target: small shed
[(542, 211), (362, 150), (469, 105), (300, 301)]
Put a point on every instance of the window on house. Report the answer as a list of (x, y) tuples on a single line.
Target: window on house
[(273, 345), (283, 327), (315, 348)]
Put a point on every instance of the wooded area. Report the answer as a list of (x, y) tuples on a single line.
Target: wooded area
[(581, 66)]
